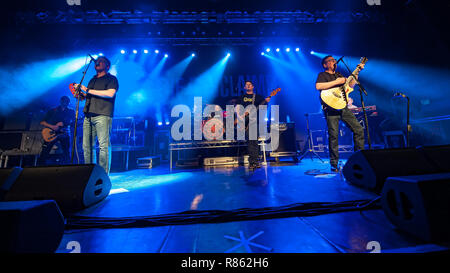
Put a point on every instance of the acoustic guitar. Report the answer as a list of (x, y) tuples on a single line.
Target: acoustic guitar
[(336, 97)]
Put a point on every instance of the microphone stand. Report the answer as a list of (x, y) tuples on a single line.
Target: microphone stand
[(361, 90), (78, 91)]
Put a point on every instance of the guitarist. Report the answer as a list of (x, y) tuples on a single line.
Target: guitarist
[(249, 97), (326, 80), (59, 120)]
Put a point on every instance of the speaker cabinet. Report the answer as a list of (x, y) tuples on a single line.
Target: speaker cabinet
[(73, 187), (419, 205), (30, 226), (370, 168)]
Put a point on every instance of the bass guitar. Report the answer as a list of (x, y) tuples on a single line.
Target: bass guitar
[(247, 119), (336, 97)]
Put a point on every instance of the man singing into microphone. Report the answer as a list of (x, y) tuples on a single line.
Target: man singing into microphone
[(326, 80), (98, 110)]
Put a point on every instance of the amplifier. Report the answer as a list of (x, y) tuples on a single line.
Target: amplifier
[(148, 162), (226, 160)]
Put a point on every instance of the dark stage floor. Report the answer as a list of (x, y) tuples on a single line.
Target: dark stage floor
[(159, 191)]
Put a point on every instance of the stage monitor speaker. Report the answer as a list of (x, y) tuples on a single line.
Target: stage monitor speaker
[(370, 168), (73, 187), (30, 226), (419, 205), (286, 133)]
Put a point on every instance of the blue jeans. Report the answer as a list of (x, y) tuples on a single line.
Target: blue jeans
[(100, 127)]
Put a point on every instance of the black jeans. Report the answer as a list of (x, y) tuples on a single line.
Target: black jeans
[(253, 151), (64, 140), (333, 117)]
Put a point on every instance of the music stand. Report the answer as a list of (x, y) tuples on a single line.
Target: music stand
[(310, 150)]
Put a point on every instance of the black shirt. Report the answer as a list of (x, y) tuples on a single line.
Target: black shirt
[(327, 77), (98, 105), (55, 115), (247, 99)]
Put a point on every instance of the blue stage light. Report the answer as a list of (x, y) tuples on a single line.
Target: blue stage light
[(262, 53), (268, 49), (297, 49), (193, 54), (228, 54), (100, 54), (145, 51), (167, 123), (159, 123), (312, 52), (134, 51), (156, 51), (277, 50), (288, 49), (95, 56), (166, 56), (122, 51)]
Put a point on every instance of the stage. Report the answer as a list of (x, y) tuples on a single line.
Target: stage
[(151, 192)]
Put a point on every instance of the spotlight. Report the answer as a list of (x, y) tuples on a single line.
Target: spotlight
[(262, 53), (122, 51), (134, 51), (159, 123), (145, 51), (167, 123), (156, 51), (268, 49), (288, 49), (228, 54), (166, 56), (100, 54), (95, 56), (277, 50), (312, 52), (193, 54), (297, 49)]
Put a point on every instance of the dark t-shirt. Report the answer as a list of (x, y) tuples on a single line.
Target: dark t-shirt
[(98, 105), (247, 99), (327, 77), (55, 115)]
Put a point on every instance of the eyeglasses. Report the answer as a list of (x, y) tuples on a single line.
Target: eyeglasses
[(330, 60)]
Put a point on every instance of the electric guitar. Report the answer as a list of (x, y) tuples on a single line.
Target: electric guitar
[(50, 135), (336, 97), (248, 119)]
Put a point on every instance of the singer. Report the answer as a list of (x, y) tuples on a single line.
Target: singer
[(326, 80), (98, 111)]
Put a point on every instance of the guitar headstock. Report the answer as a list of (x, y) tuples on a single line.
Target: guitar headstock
[(275, 91), (363, 60)]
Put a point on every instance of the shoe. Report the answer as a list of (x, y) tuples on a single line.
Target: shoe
[(334, 169)]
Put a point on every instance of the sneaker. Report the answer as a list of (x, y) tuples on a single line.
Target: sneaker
[(334, 169)]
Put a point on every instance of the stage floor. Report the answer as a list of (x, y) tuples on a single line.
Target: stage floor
[(159, 191)]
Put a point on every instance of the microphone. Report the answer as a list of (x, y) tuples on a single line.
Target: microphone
[(92, 58)]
